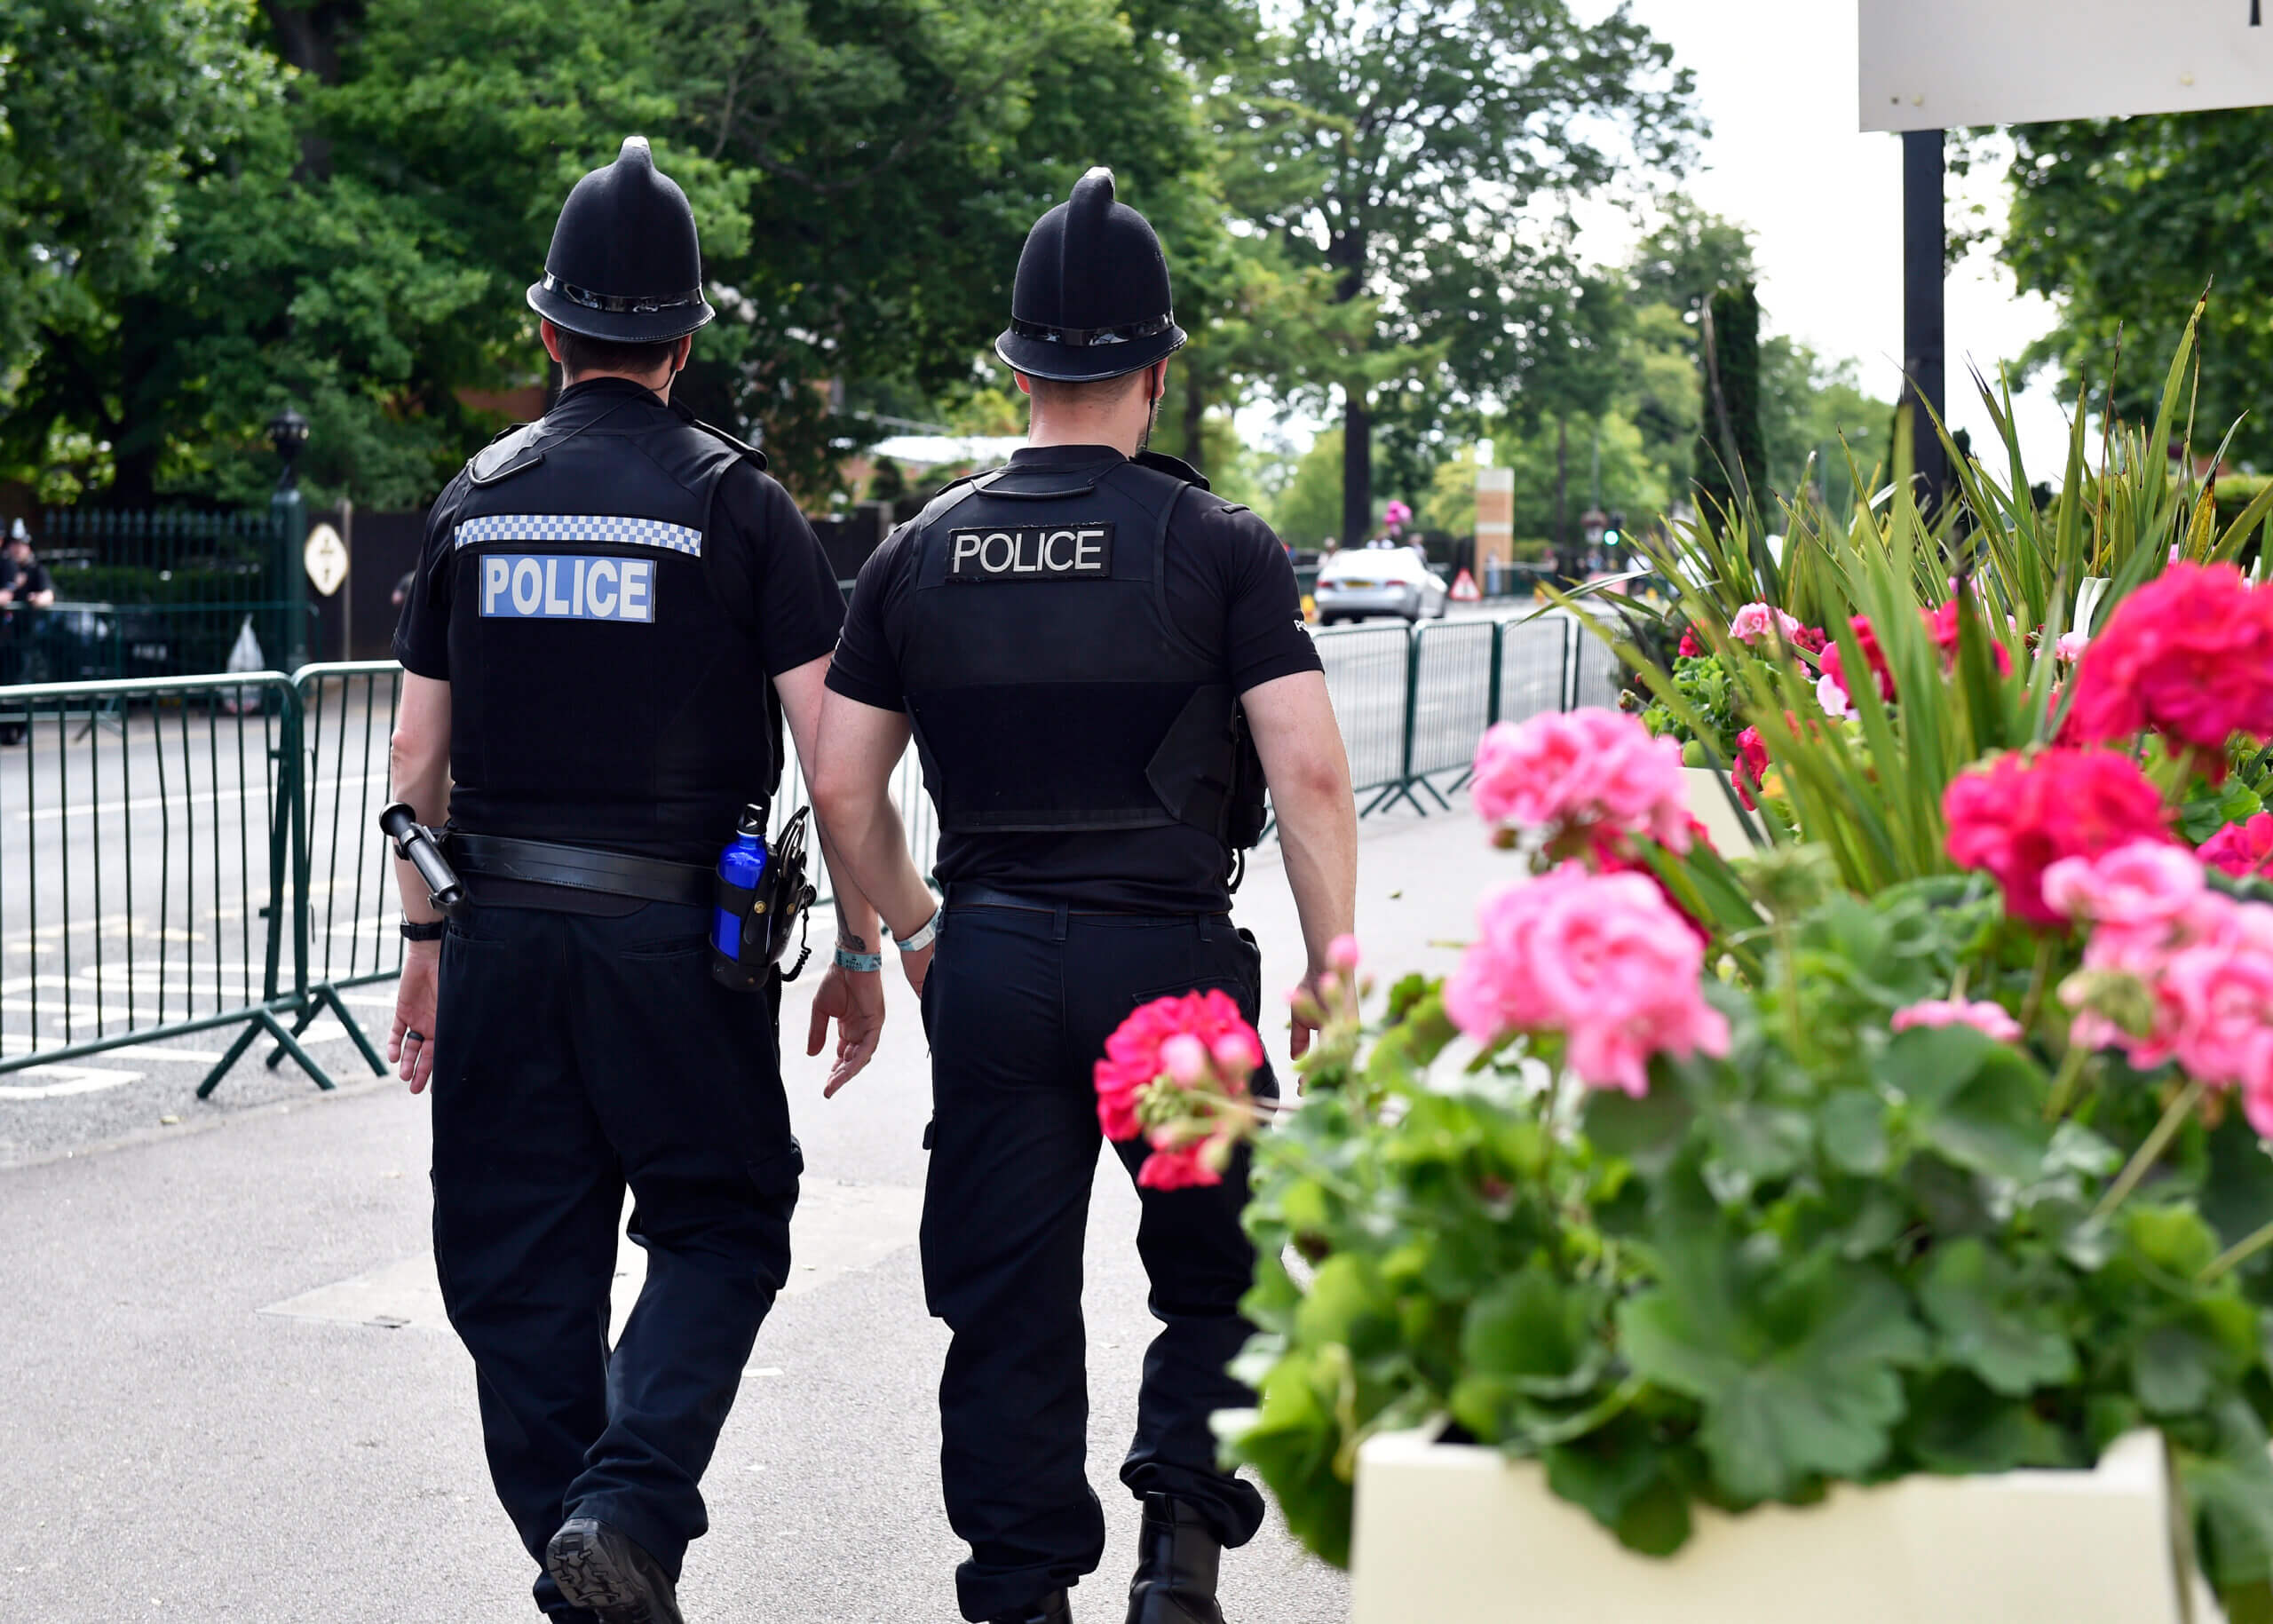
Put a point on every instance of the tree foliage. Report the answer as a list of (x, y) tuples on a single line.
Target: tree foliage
[(2126, 222), (1414, 150)]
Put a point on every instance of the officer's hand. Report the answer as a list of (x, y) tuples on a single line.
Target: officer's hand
[(1299, 1032), (917, 965), (411, 1046), (855, 1001)]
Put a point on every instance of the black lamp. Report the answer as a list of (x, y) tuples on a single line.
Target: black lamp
[(288, 432)]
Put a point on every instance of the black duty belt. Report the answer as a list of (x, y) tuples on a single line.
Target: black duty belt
[(614, 873), (964, 894)]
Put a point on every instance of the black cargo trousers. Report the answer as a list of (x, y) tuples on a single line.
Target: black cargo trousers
[(1019, 1004), (575, 1056)]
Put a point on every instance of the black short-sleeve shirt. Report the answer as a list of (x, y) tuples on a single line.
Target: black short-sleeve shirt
[(765, 564), (1230, 587), (768, 575)]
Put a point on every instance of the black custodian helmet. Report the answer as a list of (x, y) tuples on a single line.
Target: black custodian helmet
[(625, 264), (1091, 300)]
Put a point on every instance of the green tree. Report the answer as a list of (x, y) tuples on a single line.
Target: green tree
[(1401, 146), (1732, 453), (2124, 223), (105, 109)]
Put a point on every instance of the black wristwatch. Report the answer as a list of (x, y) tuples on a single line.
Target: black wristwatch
[(431, 931)]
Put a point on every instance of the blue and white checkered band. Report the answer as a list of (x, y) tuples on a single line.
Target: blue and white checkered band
[(614, 527)]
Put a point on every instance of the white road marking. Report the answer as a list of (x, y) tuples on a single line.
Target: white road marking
[(76, 1080), (839, 1229)]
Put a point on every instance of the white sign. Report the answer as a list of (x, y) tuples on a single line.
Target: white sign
[(1946, 64), (326, 557)]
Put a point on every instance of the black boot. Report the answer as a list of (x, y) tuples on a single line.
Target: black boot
[(599, 1567), (1176, 1567), (1051, 1609)]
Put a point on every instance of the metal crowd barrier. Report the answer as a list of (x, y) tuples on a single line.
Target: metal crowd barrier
[(180, 854), (144, 869), (1414, 700)]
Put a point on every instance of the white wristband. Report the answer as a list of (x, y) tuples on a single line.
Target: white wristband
[(923, 937)]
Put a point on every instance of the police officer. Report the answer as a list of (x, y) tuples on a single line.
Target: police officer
[(1094, 656), (613, 612)]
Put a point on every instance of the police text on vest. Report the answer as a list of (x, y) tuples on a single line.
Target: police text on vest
[(1030, 553), (567, 587)]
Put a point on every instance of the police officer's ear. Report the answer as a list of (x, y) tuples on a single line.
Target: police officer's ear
[(1025, 384)]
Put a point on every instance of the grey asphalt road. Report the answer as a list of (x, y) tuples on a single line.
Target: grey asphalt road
[(232, 1398)]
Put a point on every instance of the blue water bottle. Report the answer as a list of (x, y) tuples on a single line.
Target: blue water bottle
[(741, 866)]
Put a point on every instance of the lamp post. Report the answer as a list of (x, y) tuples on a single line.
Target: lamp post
[(288, 514)]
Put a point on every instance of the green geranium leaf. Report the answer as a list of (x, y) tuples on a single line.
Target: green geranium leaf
[(2173, 1238), (1348, 1303), (1622, 1480), (1646, 1132), (1853, 1126), (1977, 1102), (1959, 1426), (2229, 1489), (1539, 1333), (1749, 1145), (1795, 1364), (1991, 1321), (2237, 1196)]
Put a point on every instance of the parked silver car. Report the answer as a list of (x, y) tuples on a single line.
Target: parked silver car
[(1361, 580)]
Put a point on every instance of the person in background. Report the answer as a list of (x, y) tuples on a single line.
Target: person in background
[(24, 580)]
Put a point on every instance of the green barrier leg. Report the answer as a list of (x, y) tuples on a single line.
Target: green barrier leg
[(329, 994), (236, 1052), (290, 1045), (264, 1020), (301, 1022)]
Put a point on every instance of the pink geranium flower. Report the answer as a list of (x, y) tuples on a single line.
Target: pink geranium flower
[(1987, 1018), (1758, 622), (1601, 959), (2145, 884), (1570, 771)]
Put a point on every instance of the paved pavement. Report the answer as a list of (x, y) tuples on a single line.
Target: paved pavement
[(231, 1398)]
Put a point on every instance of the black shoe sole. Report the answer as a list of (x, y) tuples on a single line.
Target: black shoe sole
[(594, 1575)]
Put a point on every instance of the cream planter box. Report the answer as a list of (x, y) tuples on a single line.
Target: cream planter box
[(1710, 807), (1452, 1534)]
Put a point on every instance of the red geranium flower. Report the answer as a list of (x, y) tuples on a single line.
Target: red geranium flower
[(2241, 848), (1872, 655), (1751, 762), (1943, 623), (2019, 815), (2189, 654)]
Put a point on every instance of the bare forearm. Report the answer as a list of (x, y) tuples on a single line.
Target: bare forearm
[(856, 915), (426, 791), (1317, 834), (874, 844)]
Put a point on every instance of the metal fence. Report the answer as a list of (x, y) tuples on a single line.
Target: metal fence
[(141, 863), (180, 854)]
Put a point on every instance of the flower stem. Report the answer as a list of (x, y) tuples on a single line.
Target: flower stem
[(2038, 976), (2248, 1246), (2151, 1152), (2064, 1085)]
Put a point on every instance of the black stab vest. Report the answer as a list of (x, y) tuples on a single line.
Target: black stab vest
[(601, 693), (1049, 688)]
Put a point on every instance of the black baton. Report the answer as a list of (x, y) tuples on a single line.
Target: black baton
[(414, 843)]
